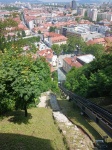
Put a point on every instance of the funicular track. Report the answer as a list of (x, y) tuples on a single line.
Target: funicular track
[(98, 114)]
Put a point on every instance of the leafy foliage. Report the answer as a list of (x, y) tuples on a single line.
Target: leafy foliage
[(3, 25), (56, 48), (52, 29), (97, 50), (23, 33), (22, 80), (93, 80), (77, 45)]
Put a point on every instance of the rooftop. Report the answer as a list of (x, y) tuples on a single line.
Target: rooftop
[(72, 62), (86, 58)]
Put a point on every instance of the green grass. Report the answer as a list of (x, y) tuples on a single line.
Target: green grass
[(37, 132), (73, 113)]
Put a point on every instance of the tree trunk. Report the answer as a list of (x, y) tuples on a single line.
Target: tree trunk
[(25, 109)]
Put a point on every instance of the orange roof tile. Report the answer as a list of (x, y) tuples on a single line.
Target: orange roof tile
[(58, 38), (96, 41), (72, 62), (47, 53)]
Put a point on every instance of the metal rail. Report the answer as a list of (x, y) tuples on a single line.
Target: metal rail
[(98, 114)]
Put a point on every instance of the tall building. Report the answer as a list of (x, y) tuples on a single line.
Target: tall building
[(94, 15), (73, 4)]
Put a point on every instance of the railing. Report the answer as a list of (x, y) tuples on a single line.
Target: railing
[(98, 114)]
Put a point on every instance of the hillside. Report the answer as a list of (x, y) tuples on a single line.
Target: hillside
[(37, 132)]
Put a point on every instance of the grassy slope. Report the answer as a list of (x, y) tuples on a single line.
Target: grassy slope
[(37, 132), (73, 113)]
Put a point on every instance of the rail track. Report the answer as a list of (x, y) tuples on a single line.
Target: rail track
[(98, 114)]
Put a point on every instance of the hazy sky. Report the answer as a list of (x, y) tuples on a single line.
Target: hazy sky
[(82, 1)]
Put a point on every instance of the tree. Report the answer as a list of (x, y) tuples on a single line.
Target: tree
[(3, 24), (74, 41), (14, 14), (56, 48), (18, 34), (64, 48), (22, 80), (39, 32), (52, 29), (92, 80), (96, 49), (23, 33), (8, 38), (77, 19)]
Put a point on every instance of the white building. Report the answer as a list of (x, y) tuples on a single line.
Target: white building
[(31, 24), (109, 16), (87, 32), (94, 15), (85, 59), (105, 15)]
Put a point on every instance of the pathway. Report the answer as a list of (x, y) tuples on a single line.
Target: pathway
[(75, 137)]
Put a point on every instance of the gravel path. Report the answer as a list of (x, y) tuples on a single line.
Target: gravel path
[(75, 137), (44, 99)]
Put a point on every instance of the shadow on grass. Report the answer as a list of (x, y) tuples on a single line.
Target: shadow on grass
[(23, 142), (71, 110), (19, 117)]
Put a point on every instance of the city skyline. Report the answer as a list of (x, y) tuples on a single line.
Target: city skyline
[(34, 1)]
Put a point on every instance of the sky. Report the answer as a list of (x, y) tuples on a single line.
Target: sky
[(82, 1)]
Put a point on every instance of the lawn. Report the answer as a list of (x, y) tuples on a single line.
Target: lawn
[(73, 113), (37, 132)]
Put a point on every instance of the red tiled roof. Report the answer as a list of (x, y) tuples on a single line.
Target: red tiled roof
[(22, 26), (96, 41), (36, 29), (58, 38), (47, 53), (51, 34), (72, 62)]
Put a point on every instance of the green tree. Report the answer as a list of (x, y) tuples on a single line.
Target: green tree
[(56, 48), (77, 19), (22, 80), (97, 50), (3, 24), (23, 33), (64, 48), (92, 80), (52, 29), (74, 41), (18, 34), (8, 38), (39, 32)]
